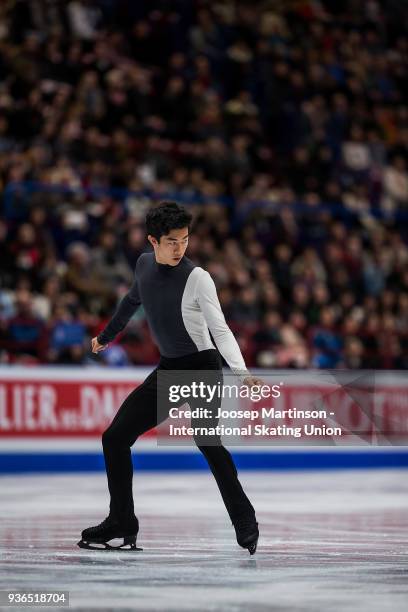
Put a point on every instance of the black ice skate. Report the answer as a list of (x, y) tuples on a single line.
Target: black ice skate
[(246, 529), (98, 537)]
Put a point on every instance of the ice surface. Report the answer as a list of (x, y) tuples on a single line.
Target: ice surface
[(329, 541)]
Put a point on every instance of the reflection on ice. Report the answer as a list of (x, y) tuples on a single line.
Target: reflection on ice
[(332, 541)]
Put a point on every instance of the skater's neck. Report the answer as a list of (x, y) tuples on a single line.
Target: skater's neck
[(163, 265)]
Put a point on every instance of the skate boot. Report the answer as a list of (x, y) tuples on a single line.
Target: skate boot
[(246, 529), (98, 537)]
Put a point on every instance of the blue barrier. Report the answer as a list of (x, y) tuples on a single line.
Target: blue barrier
[(11, 463)]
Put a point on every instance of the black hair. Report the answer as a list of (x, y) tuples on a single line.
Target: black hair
[(165, 217)]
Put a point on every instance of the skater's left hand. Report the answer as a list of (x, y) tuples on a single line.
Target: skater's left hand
[(253, 381), (96, 347)]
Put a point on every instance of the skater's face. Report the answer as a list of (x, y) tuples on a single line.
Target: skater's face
[(171, 247)]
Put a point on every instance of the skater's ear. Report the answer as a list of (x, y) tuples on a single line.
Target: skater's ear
[(153, 241)]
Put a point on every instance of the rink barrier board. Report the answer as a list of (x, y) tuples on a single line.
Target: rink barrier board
[(26, 445), (11, 463)]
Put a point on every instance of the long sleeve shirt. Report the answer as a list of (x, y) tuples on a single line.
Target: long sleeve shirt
[(181, 307)]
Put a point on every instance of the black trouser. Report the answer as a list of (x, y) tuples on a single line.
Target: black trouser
[(138, 414)]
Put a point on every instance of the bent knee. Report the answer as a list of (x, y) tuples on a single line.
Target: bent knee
[(207, 444), (112, 437), (108, 437)]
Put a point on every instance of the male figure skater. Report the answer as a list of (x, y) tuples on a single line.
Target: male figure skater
[(181, 305)]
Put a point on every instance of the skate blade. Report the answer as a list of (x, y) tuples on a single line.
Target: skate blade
[(125, 547), (252, 547)]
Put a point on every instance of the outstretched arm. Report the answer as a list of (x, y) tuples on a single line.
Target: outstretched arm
[(125, 310), (223, 337)]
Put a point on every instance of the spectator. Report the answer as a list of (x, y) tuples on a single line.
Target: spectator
[(109, 263), (67, 337), (288, 141), (326, 342), (25, 332)]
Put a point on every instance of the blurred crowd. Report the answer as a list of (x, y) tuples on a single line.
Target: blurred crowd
[(282, 123)]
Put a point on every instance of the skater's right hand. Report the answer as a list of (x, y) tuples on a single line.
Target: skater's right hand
[(96, 347)]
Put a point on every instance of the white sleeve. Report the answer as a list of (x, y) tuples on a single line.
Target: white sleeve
[(223, 337)]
